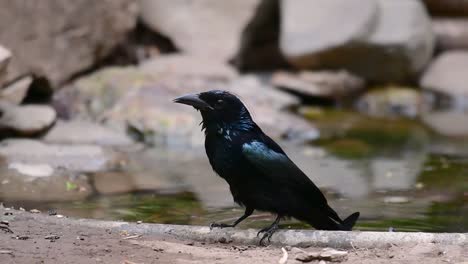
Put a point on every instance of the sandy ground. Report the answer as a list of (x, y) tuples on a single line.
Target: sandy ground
[(37, 242)]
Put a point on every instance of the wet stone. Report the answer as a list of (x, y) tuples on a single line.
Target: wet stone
[(85, 132), (82, 158), (25, 120)]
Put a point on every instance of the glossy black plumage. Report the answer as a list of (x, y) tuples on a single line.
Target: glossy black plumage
[(260, 175)]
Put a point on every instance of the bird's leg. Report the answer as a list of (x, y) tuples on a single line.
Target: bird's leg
[(268, 231), (247, 213)]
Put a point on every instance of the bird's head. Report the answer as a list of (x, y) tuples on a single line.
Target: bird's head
[(219, 108)]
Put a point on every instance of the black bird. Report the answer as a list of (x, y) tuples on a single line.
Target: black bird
[(260, 175)]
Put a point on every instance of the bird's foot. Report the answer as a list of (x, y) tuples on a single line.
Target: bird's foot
[(6, 229), (267, 233), (219, 225)]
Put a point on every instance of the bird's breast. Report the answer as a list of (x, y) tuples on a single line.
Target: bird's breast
[(224, 155)]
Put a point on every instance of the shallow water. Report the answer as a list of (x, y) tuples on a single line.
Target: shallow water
[(396, 172)]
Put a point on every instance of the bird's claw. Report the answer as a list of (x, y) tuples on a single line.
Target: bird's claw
[(219, 225), (263, 230), (268, 233)]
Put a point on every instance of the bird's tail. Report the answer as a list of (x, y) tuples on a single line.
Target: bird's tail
[(349, 222)]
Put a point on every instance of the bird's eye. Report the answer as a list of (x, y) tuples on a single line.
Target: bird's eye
[(219, 103)]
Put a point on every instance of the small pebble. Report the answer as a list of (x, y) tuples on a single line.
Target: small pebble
[(52, 238), (4, 222), (139, 222), (21, 237), (52, 212), (59, 216), (396, 199), (34, 211)]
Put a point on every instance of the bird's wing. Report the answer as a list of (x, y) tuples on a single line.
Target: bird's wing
[(279, 168)]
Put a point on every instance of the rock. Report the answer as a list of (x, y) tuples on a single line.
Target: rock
[(85, 132), (357, 42), (16, 92), (59, 39), (25, 120), (448, 74), (209, 28), (17, 186), (451, 34), (33, 170), (447, 7), (302, 21), (319, 84), (404, 28), (451, 123), (445, 80), (118, 96), (5, 56), (78, 158), (259, 46), (188, 66), (391, 101)]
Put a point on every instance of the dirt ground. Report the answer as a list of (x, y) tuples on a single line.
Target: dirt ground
[(37, 242)]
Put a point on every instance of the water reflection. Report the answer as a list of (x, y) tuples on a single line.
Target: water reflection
[(395, 172)]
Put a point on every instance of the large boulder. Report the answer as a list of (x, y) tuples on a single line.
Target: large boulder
[(446, 79), (58, 39), (259, 48), (357, 36), (209, 28)]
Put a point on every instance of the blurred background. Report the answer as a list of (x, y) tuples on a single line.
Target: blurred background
[(368, 97)]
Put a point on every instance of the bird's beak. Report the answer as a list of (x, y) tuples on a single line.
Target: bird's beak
[(193, 100)]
